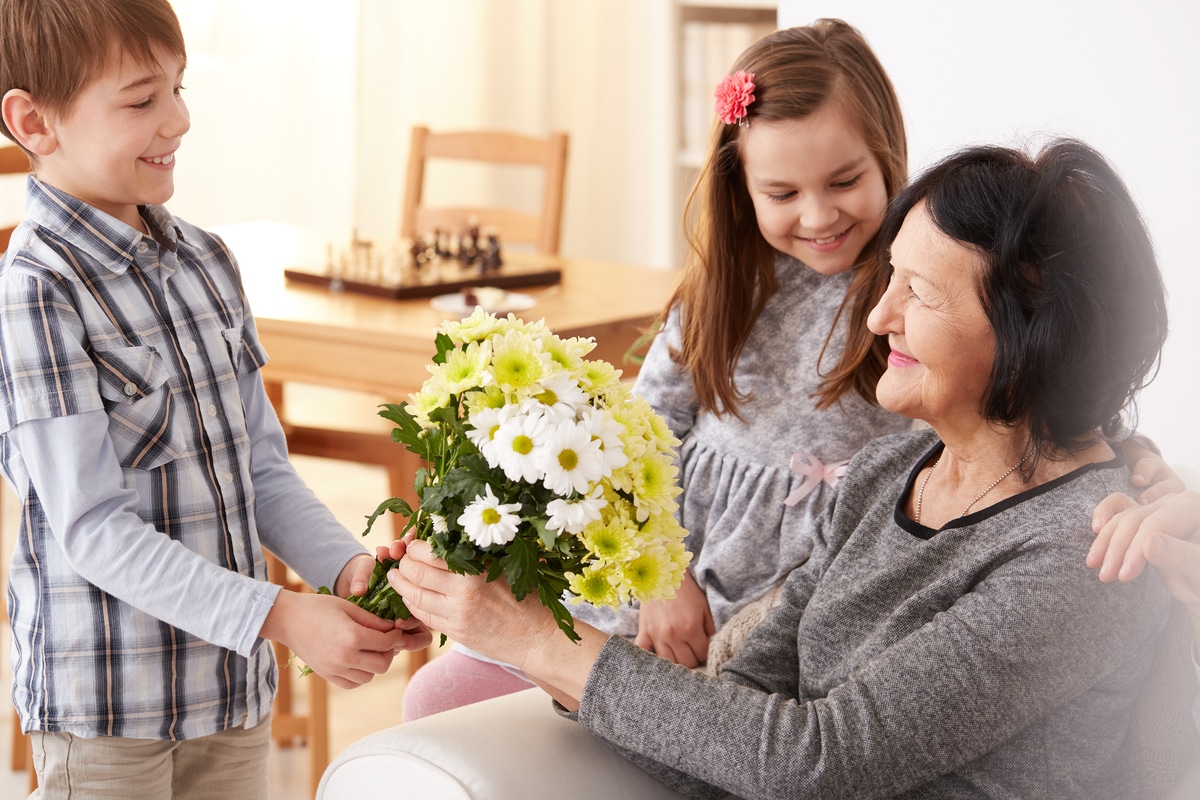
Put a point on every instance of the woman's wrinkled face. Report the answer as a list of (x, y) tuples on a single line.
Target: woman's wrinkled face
[(942, 345)]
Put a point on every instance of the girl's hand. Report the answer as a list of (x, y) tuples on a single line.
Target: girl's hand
[(1153, 476), (1124, 529), (678, 629)]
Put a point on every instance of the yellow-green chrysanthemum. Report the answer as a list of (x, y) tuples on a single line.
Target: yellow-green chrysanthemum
[(598, 377), (568, 353), (654, 486), (489, 397), (475, 328), (649, 576), (596, 585), (518, 363), (610, 541), (430, 398), (465, 368)]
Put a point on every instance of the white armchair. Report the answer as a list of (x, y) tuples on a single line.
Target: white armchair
[(510, 748)]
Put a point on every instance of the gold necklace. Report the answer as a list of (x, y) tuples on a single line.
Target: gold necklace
[(994, 484)]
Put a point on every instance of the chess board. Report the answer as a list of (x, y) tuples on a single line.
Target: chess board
[(432, 266), (432, 280)]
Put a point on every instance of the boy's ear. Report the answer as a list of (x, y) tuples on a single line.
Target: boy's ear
[(28, 125)]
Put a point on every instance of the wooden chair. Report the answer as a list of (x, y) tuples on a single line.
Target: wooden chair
[(492, 147)]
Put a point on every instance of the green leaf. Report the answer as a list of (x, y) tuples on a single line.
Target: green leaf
[(396, 505), (407, 430), (444, 345), (566, 622), (520, 567)]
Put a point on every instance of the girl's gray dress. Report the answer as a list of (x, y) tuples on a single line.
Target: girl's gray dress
[(736, 474)]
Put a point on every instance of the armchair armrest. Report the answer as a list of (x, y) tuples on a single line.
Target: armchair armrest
[(502, 749)]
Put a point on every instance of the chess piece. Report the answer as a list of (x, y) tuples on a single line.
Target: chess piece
[(491, 259)]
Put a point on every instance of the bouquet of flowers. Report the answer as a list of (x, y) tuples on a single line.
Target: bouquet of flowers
[(540, 466)]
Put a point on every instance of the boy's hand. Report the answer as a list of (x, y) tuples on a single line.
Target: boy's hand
[(341, 642), (678, 629), (354, 577)]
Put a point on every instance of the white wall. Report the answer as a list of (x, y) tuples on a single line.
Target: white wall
[(1123, 76), (302, 110)]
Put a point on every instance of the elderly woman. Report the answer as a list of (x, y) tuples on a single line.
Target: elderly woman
[(945, 638)]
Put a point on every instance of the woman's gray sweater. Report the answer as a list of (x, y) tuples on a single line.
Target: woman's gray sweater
[(981, 660)]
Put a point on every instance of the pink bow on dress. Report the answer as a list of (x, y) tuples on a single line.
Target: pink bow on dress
[(814, 472)]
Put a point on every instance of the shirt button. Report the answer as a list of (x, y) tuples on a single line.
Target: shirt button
[(142, 247), (211, 410), (226, 477), (130, 389), (190, 347)]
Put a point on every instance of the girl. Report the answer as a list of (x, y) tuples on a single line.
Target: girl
[(809, 148)]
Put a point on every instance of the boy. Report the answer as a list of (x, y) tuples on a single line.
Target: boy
[(135, 429)]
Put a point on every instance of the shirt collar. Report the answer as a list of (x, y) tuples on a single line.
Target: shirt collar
[(108, 240)]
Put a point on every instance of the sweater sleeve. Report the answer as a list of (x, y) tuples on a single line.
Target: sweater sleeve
[(664, 383)]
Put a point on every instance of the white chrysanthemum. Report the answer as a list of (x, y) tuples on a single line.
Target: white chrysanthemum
[(572, 516), (607, 431), (465, 368), (561, 397), (440, 523), (571, 460), (520, 442), (484, 423), (487, 521)]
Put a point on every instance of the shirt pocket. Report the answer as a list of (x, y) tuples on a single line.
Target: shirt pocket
[(137, 396)]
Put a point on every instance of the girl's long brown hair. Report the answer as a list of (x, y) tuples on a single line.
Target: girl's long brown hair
[(730, 274)]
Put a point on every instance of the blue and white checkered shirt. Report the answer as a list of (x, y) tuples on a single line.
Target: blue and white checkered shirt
[(135, 430)]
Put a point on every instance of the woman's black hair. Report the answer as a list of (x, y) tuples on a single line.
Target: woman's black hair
[(1070, 284)]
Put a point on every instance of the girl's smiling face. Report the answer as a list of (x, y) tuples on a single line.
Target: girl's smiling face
[(818, 191)]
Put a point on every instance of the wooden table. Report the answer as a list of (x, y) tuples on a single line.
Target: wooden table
[(381, 345)]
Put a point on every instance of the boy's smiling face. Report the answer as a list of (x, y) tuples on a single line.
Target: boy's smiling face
[(114, 148)]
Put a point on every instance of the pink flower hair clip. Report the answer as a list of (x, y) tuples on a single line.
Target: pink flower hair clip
[(734, 95)]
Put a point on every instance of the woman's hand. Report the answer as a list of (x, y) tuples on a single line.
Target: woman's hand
[(678, 629), (483, 615), (487, 618)]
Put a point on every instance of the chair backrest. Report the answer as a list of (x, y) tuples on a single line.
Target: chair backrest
[(550, 153), (13, 161)]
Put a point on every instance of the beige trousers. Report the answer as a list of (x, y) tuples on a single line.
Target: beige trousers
[(231, 765)]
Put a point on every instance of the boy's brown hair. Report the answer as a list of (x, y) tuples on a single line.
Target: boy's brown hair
[(54, 48)]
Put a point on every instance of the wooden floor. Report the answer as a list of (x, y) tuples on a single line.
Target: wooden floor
[(352, 491)]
